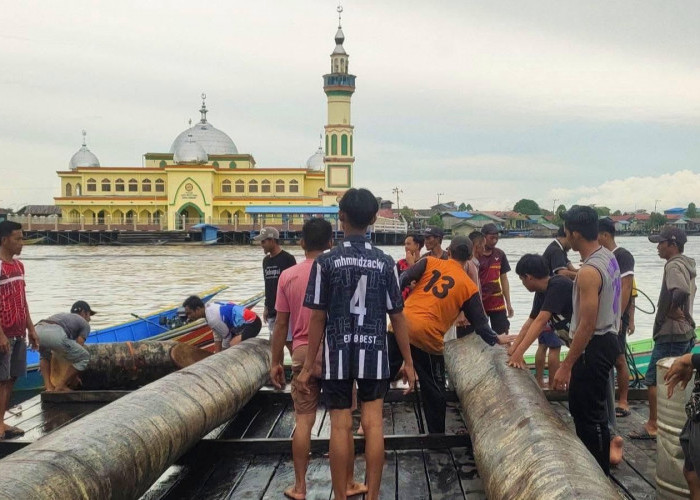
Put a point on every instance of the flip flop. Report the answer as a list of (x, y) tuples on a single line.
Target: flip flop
[(620, 412), (13, 432), (642, 435)]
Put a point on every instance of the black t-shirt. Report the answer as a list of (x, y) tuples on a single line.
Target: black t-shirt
[(558, 300), (357, 285), (626, 262), (555, 257), (272, 268)]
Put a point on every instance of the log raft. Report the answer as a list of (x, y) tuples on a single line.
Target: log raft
[(522, 448), (120, 450)]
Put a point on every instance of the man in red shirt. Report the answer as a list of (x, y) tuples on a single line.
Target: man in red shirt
[(493, 274), (14, 320)]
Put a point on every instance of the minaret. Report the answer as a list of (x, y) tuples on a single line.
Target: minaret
[(339, 86)]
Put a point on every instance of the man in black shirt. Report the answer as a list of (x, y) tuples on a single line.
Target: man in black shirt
[(276, 260), (555, 255), (351, 289)]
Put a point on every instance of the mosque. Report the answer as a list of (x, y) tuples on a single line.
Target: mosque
[(204, 178)]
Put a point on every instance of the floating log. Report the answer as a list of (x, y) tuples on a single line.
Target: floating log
[(121, 449), (130, 365), (522, 448)]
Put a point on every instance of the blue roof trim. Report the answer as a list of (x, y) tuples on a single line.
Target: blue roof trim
[(461, 215), (290, 209)]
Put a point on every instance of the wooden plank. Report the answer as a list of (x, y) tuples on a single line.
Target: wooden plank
[(412, 482), (469, 478), (255, 479), (318, 478), (223, 477), (405, 421), (262, 425), (454, 423), (442, 475), (631, 482), (284, 427), (165, 483), (388, 486), (281, 480), (104, 397), (239, 424), (28, 411), (387, 419)]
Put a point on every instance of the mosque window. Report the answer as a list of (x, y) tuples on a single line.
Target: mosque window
[(106, 185), (157, 215), (133, 185), (226, 186), (334, 144), (146, 185), (130, 217), (253, 186), (232, 164), (78, 189), (91, 185), (119, 185), (215, 164), (240, 186), (162, 164), (160, 186), (293, 186), (69, 190), (265, 186), (344, 144), (350, 145), (279, 186), (327, 150)]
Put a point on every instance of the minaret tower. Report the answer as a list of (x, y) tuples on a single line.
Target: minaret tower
[(339, 86)]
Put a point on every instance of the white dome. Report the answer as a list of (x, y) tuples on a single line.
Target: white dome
[(213, 140), (315, 161), (83, 157), (190, 152)]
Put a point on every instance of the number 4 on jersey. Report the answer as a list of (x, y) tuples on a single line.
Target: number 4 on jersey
[(357, 302)]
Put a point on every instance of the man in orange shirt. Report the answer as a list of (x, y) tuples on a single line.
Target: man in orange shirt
[(442, 290)]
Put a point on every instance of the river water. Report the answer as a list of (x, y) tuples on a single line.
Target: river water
[(117, 281)]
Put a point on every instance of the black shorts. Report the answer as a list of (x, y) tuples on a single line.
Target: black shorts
[(337, 394), (499, 321)]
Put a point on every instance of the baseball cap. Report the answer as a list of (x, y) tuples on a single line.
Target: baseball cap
[(433, 231), (267, 233), (606, 225), (490, 228), (81, 306), (669, 233), (461, 241)]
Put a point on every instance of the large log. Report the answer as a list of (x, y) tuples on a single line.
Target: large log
[(523, 450), (130, 365), (121, 449)]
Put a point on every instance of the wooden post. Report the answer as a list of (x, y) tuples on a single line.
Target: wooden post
[(121, 449), (522, 448)]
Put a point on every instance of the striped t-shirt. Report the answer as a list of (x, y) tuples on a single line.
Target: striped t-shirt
[(357, 285)]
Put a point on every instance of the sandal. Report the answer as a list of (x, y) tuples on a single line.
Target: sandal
[(620, 412), (13, 432), (642, 435)]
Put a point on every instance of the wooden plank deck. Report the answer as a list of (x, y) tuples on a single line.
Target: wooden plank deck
[(249, 456)]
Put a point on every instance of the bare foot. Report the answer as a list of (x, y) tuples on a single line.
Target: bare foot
[(360, 431), (63, 389), (356, 488), (616, 445), (292, 492)]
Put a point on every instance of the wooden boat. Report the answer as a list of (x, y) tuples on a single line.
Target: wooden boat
[(33, 241), (147, 326)]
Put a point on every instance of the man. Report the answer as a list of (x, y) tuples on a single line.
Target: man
[(674, 327), (230, 323), (442, 290), (316, 237), (595, 321), (275, 261), (65, 333), (606, 237), (682, 371), (15, 321), (433, 242), (350, 291), (493, 275), (552, 306), (555, 256)]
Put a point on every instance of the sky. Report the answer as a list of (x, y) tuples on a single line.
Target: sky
[(485, 103)]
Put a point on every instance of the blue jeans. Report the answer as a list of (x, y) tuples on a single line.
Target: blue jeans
[(666, 350)]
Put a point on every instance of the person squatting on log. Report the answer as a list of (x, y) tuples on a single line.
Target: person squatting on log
[(65, 333), (595, 322), (443, 290), (230, 323), (350, 291), (316, 237)]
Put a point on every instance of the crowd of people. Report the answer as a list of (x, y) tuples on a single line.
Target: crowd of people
[(330, 311)]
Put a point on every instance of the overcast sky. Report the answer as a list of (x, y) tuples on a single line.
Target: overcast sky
[(486, 102)]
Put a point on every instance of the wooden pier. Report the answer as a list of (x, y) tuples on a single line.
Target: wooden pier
[(250, 456)]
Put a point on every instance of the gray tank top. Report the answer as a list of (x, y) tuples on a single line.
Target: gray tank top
[(609, 313)]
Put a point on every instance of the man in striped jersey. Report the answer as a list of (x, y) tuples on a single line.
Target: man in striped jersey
[(350, 291)]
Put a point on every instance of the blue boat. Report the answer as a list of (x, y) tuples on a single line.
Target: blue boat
[(150, 325)]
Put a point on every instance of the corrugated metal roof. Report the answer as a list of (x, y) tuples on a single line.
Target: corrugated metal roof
[(460, 215), (290, 209)]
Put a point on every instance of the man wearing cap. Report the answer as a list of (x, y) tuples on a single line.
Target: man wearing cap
[(433, 242), (493, 274), (64, 333), (674, 327), (442, 290), (276, 260)]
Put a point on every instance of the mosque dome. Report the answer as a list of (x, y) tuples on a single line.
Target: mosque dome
[(213, 140), (190, 152), (315, 161), (83, 157)]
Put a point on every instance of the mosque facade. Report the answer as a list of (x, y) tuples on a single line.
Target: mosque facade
[(204, 178)]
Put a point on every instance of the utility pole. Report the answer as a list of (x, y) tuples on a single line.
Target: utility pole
[(396, 191), (438, 197)]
